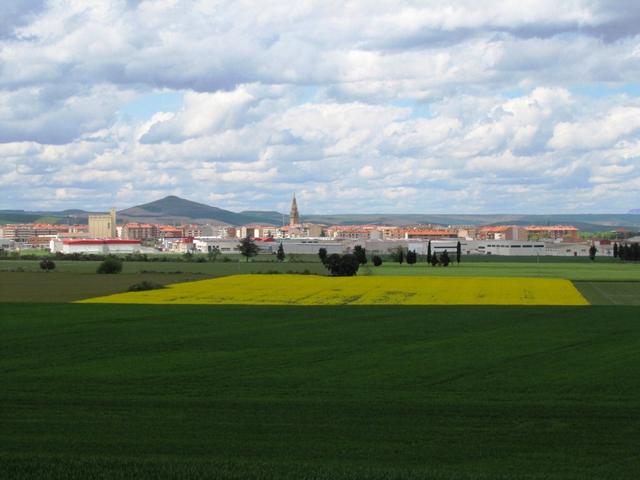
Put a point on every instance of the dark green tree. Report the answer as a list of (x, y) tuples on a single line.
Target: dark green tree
[(360, 253), (444, 259), (412, 257), (429, 252), (322, 253), (248, 248), (47, 265), (434, 259), (377, 260), (592, 252), (615, 250), (110, 265), (400, 255), (342, 265), (458, 252), (280, 255), (622, 252), (212, 252)]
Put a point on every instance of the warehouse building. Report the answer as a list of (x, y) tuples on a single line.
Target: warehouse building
[(97, 246)]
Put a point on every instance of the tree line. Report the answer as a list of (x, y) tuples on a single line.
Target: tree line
[(627, 252)]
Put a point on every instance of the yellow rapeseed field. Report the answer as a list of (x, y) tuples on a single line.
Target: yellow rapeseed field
[(318, 290)]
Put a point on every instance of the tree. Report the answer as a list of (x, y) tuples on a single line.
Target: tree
[(110, 265), (47, 265), (458, 252), (377, 260), (434, 259), (361, 254), (622, 252), (412, 257), (400, 255), (444, 259), (429, 252), (248, 248), (280, 254), (592, 252), (615, 250), (212, 252), (322, 253), (342, 265)]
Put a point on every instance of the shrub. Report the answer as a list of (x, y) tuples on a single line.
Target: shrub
[(377, 260), (110, 265), (145, 285), (47, 265)]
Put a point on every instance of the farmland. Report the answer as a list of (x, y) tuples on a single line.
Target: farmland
[(314, 290), (584, 270), (319, 392)]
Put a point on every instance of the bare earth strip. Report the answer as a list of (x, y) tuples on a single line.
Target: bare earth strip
[(316, 290)]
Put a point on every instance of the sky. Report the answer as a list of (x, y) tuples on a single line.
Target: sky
[(361, 106)]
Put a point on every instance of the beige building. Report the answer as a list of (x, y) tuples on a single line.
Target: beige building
[(103, 225)]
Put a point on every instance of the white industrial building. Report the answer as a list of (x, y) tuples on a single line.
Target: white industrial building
[(106, 246), (291, 246), (468, 247)]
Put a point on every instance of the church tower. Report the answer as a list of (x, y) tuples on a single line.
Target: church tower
[(294, 216)]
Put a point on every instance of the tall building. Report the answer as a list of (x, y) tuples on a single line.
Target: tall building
[(103, 225), (294, 216)]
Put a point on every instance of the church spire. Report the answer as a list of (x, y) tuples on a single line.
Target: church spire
[(294, 216)]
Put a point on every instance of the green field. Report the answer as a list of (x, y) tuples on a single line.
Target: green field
[(585, 270), (610, 293), (211, 269), (66, 287), (259, 392), (319, 392), (75, 280)]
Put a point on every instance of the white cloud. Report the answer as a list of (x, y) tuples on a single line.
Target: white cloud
[(358, 106)]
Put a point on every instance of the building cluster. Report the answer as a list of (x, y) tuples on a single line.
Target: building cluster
[(103, 234)]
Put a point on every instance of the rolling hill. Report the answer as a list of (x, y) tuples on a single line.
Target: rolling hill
[(174, 209)]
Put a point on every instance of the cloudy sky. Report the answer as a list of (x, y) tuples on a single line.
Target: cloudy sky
[(357, 106)]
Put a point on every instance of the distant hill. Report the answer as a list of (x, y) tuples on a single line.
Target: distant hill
[(585, 222), (268, 217), (174, 209), (18, 217), (64, 216)]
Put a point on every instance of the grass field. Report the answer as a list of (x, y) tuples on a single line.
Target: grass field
[(315, 290), (604, 271), (610, 293), (67, 287), (211, 269), (319, 392)]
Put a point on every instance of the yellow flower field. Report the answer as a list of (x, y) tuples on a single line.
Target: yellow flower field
[(318, 290)]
